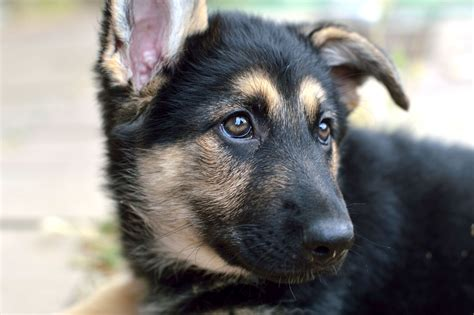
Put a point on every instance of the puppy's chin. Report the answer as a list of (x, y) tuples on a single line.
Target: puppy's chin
[(299, 276), (294, 274), (189, 252), (187, 248)]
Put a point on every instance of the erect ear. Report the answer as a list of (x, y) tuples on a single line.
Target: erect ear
[(352, 59), (140, 37)]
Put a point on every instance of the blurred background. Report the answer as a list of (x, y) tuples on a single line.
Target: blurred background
[(57, 228)]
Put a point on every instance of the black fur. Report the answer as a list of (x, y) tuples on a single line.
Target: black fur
[(413, 252), (411, 202)]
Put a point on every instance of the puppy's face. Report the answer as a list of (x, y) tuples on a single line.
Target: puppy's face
[(248, 163), (223, 137)]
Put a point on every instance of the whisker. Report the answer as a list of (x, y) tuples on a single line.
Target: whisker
[(372, 242)]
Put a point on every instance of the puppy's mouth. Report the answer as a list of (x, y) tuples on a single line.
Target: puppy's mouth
[(281, 265), (299, 273)]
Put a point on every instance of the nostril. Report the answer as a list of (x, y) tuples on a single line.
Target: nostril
[(290, 206), (325, 241), (321, 251)]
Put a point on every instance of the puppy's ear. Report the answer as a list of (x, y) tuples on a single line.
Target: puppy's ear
[(141, 37), (352, 59)]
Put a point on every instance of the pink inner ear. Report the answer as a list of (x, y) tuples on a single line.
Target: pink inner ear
[(151, 21)]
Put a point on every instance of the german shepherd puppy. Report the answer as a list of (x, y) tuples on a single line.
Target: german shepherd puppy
[(240, 188)]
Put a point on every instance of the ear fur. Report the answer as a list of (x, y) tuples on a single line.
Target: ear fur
[(352, 58), (140, 37)]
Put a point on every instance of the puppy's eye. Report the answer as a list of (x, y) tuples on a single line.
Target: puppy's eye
[(324, 132), (238, 125)]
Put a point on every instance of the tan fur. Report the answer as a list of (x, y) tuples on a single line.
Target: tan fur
[(347, 89), (121, 296), (199, 21), (139, 101), (334, 160), (311, 95), (226, 181), (115, 68), (185, 21), (111, 58), (257, 83), (327, 34), (150, 90), (168, 179), (332, 40)]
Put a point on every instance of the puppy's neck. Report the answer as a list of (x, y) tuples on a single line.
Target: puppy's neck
[(197, 291)]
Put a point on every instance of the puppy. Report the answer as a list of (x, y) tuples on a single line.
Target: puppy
[(240, 188)]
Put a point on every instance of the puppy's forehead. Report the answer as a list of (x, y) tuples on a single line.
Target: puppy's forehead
[(241, 62), (308, 93), (266, 61), (311, 95), (258, 84)]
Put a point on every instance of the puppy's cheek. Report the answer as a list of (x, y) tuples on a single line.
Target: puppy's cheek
[(219, 193), (223, 181), (184, 247), (170, 180), (160, 181)]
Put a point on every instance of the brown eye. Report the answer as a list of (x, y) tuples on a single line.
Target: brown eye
[(238, 126), (324, 132)]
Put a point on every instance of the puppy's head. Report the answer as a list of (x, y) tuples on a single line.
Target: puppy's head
[(223, 136)]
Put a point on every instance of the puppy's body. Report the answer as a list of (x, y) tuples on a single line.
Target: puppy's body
[(239, 188), (412, 212), (414, 222)]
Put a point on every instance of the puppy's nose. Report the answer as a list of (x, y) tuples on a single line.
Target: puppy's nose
[(327, 239)]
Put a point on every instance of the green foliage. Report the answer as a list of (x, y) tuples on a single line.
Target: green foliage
[(100, 250)]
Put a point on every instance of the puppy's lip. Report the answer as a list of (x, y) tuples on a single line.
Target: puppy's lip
[(298, 276), (335, 260), (295, 276), (304, 269)]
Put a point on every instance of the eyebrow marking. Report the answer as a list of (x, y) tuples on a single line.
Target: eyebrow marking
[(334, 160), (311, 95), (257, 83)]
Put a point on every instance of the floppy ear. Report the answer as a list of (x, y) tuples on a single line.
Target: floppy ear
[(140, 37), (352, 59)]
